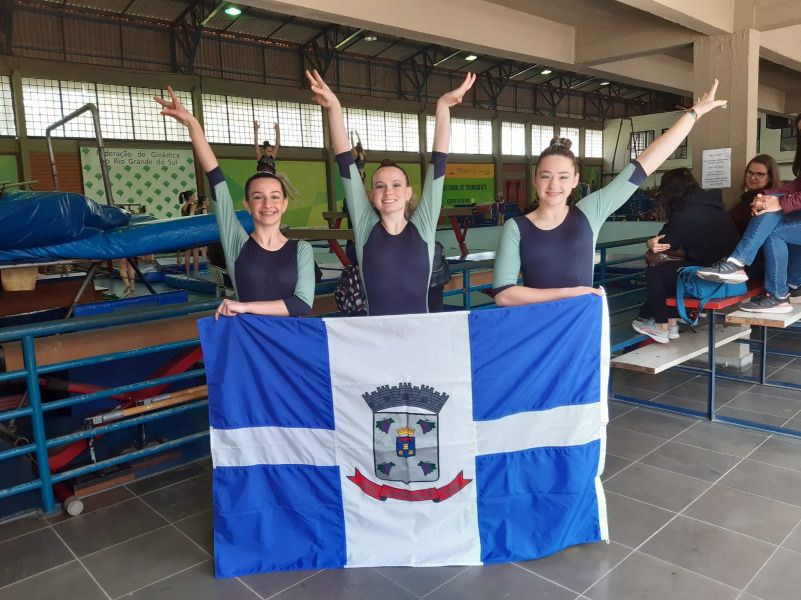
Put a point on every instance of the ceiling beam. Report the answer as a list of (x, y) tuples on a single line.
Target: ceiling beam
[(602, 45), (704, 16), (782, 47), (777, 16), (472, 25)]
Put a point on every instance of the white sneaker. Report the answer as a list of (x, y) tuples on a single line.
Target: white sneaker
[(651, 329), (673, 332)]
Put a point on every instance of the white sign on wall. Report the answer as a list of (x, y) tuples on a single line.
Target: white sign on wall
[(147, 177), (716, 168)]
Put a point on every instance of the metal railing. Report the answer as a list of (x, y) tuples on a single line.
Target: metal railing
[(36, 409)]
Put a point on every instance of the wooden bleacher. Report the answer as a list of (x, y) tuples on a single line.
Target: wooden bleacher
[(777, 320), (656, 358)]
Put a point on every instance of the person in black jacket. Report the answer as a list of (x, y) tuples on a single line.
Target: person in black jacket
[(698, 231)]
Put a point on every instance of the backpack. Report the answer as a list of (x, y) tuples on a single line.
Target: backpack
[(440, 269), (689, 284), (349, 293)]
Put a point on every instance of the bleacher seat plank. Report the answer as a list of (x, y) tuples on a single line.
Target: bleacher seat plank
[(656, 358), (778, 320)]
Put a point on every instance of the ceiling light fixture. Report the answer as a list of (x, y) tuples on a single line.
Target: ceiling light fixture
[(233, 11), (546, 72), (604, 83), (370, 38), (470, 57)]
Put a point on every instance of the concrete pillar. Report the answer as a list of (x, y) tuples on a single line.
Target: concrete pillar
[(734, 60)]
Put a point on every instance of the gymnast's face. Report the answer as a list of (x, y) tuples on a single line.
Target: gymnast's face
[(391, 193), (554, 180), (266, 202)]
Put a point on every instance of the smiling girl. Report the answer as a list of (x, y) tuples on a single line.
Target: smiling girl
[(395, 249), (555, 244), (272, 275)]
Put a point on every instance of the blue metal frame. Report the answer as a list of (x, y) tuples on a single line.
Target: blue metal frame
[(712, 375), (31, 372)]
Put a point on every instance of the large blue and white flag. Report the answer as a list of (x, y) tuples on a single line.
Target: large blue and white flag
[(415, 440)]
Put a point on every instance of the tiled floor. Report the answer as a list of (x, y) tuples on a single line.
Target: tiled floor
[(696, 511)]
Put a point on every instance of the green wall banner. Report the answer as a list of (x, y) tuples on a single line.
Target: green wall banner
[(307, 177), (412, 170), (469, 184), (8, 169), (146, 177)]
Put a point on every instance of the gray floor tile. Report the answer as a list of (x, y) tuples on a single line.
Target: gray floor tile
[(197, 583), (789, 374), (723, 555), (182, 499), (629, 444), (654, 423), (200, 529), (96, 502), (721, 438), (622, 390), (617, 409), (780, 579), (346, 584), (794, 541), (697, 391), (136, 563), (752, 515), (659, 383), (20, 526), (642, 577), (657, 486), (420, 581), (613, 465), (268, 585), (631, 522), (793, 425), (691, 461), (760, 400), (52, 585), (578, 567), (499, 581), (160, 480), (765, 480), (751, 417), (780, 451), (30, 554), (687, 403), (110, 525)]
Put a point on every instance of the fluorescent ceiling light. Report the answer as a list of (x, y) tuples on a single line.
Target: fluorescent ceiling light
[(471, 57), (604, 83), (233, 11), (370, 38), (546, 72)]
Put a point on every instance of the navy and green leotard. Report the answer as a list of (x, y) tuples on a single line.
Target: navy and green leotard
[(395, 269), (257, 274), (563, 256)]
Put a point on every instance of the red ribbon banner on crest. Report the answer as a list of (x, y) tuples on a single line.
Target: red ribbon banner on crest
[(382, 492)]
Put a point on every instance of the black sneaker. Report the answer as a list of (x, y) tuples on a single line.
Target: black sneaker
[(723, 271), (765, 303), (795, 295)]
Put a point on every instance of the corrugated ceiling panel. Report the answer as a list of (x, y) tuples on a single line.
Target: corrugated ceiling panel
[(165, 10), (283, 64), (106, 5), (369, 48), (243, 61), (38, 31), (91, 38), (297, 32), (139, 45), (400, 51), (254, 25)]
